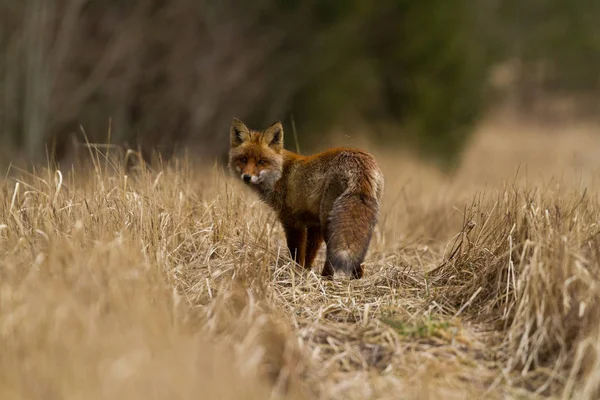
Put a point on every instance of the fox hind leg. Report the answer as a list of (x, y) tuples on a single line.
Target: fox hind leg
[(313, 243), (328, 271), (358, 271), (296, 242)]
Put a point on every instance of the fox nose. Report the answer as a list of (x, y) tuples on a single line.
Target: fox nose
[(246, 177)]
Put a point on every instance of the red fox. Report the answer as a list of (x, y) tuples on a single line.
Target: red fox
[(333, 195)]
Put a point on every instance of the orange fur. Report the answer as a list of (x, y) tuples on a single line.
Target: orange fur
[(333, 196)]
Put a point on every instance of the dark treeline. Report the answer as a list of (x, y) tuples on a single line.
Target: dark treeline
[(174, 73)]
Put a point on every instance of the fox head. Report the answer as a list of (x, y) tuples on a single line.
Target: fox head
[(256, 157)]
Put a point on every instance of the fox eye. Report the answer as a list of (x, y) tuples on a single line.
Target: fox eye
[(261, 162), (244, 160)]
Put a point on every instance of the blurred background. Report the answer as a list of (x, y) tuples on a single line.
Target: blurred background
[(170, 75)]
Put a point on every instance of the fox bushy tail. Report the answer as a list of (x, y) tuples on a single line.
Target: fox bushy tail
[(351, 224)]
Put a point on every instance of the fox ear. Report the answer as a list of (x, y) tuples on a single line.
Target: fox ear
[(239, 133), (273, 136)]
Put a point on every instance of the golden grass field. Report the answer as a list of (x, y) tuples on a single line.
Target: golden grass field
[(174, 283)]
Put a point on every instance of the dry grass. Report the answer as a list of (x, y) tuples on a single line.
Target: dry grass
[(174, 283)]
